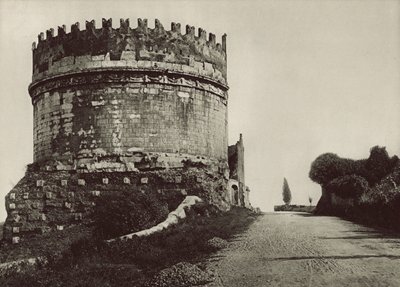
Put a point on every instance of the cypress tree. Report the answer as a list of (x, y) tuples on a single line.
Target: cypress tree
[(287, 194)]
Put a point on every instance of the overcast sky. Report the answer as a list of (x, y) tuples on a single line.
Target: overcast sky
[(306, 77)]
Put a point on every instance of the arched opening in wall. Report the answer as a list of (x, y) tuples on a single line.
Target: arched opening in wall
[(235, 192)]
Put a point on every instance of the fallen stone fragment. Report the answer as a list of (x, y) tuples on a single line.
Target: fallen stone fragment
[(172, 219)]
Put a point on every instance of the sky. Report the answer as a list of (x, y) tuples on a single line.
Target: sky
[(305, 77)]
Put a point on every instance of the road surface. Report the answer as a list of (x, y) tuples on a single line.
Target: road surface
[(295, 249)]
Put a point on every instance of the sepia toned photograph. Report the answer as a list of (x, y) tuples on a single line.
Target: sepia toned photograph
[(184, 143)]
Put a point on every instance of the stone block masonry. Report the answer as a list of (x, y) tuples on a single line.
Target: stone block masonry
[(96, 119), (110, 91), (121, 108), (238, 189), (52, 206)]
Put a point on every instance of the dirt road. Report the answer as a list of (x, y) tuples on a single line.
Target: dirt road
[(294, 249)]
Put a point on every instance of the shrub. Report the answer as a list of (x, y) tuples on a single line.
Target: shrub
[(348, 186), (122, 212), (329, 166), (172, 199), (379, 164)]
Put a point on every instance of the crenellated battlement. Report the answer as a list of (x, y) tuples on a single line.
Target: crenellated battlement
[(126, 47), (124, 28)]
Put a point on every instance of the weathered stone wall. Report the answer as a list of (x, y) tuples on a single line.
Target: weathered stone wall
[(341, 203), (112, 91), (124, 117), (331, 203), (49, 201), (236, 173)]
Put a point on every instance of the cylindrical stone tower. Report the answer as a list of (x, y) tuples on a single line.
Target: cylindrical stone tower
[(119, 109), (118, 91)]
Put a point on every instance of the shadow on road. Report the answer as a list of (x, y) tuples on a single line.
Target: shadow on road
[(367, 236)]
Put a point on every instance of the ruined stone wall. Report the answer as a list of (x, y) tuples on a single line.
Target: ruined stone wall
[(113, 91), (49, 201), (240, 170), (236, 160), (331, 203), (236, 174), (341, 203)]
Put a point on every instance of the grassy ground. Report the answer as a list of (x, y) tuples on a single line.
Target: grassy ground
[(43, 245), (89, 262)]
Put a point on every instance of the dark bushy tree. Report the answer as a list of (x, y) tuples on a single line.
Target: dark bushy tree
[(379, 164), (348, 186), (376, 178), (329, 166), (287, 194)]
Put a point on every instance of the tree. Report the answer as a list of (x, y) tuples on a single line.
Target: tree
[(329, 166), (348, 186), (379, 164), (287, 194)]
